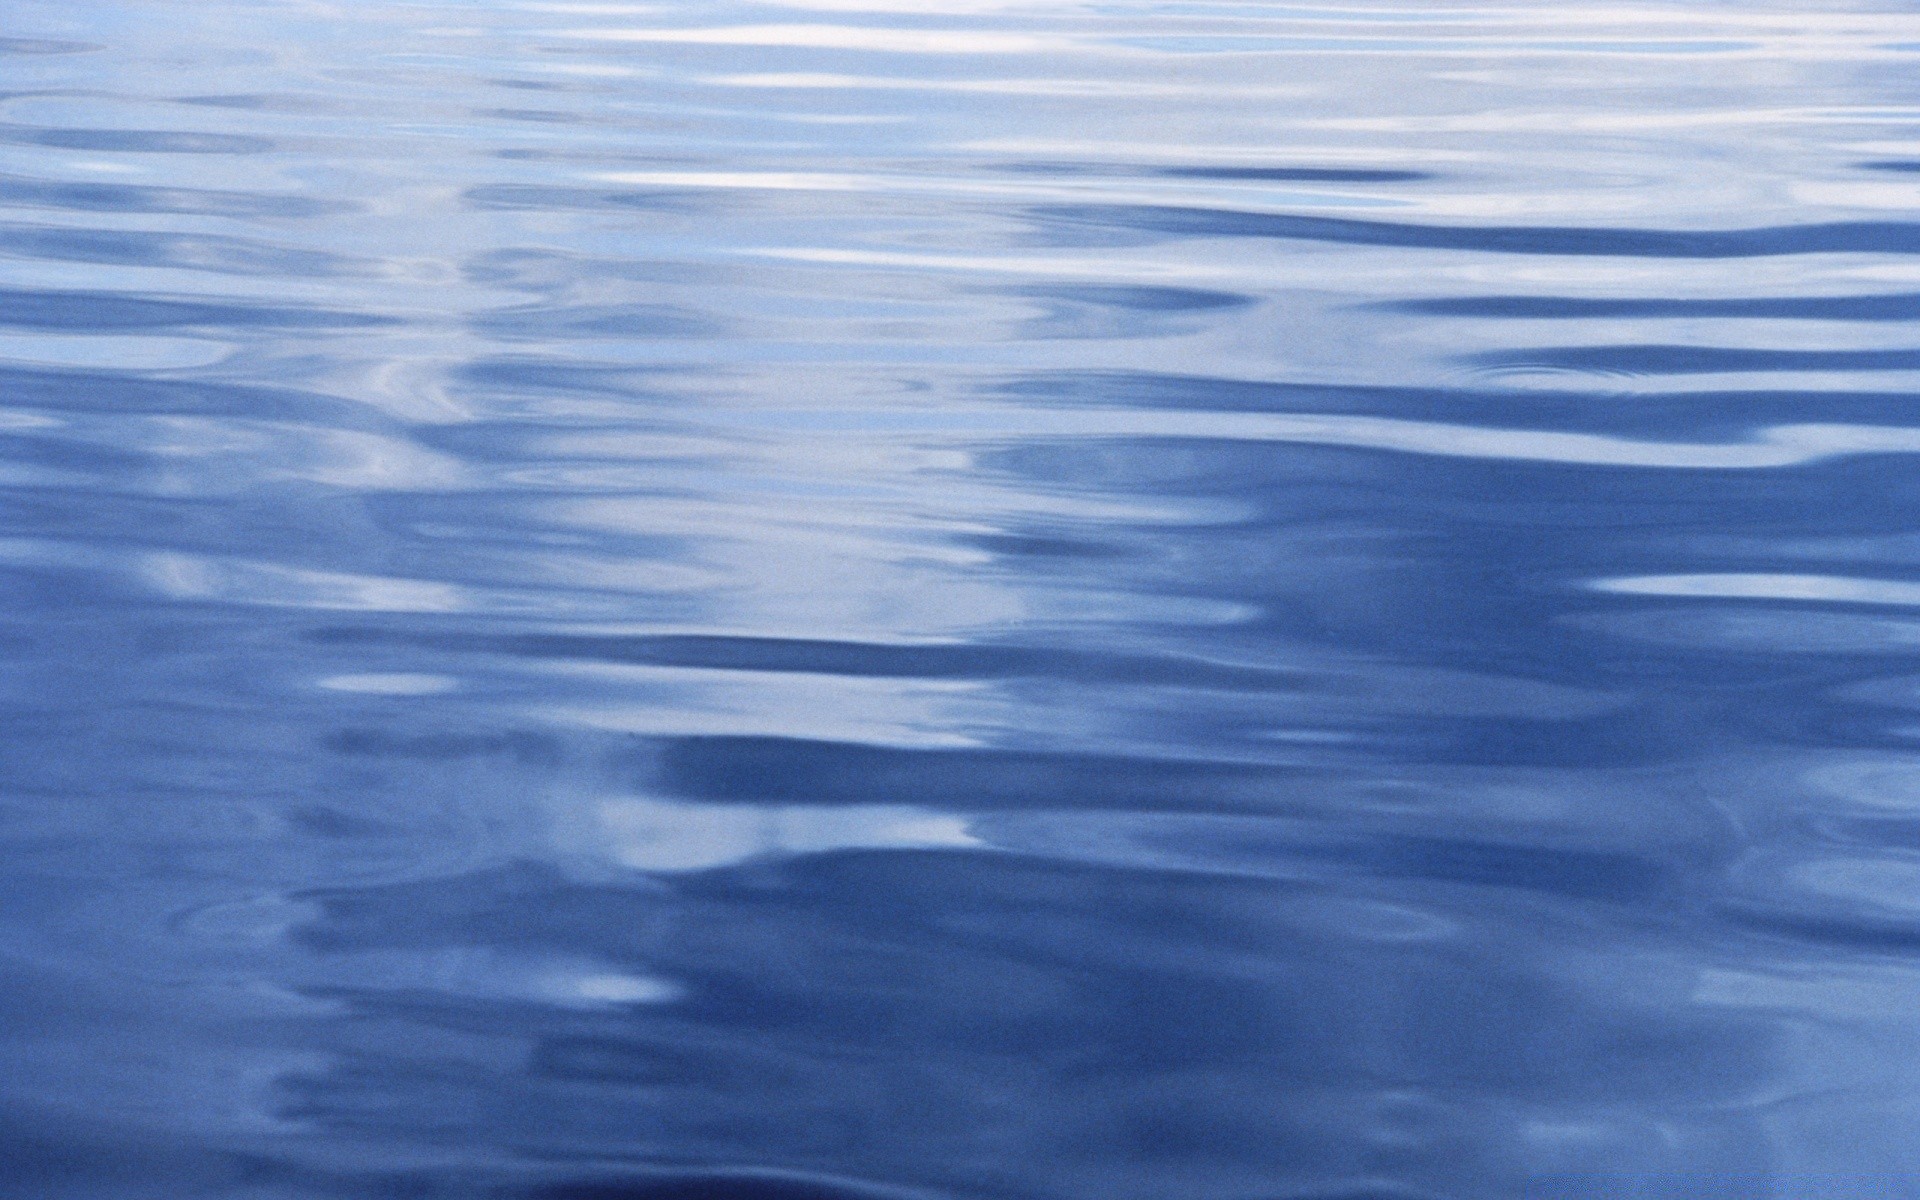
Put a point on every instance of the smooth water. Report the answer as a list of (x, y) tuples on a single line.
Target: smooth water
[(959, 599)]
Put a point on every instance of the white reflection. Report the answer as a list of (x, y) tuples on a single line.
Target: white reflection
[(488, 974), (656, 835), (821, 181), (111, 350), (1889, 884), (837, 37), (1829, 991), (686, 702), (253, 451), (1894, 195), (1775, 446), (1886, 784), (1759, 586), (1111, 88), (236, 581), (616, 989)]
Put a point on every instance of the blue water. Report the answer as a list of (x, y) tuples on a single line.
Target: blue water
[(959, 599)]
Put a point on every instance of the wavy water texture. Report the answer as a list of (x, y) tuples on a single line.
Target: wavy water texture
[(838, 599)]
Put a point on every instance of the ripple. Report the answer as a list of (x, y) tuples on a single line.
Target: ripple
[(835, 37), (1897, 307), (397, 683), (135, 141), (94, 311), (18, 191), (15, 45), (1871, 237), (195, 577), (1630, 361)]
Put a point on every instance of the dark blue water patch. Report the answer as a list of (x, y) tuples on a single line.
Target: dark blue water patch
[(136, 141), (76, 311), (24, 192), (73, 456), (1692, 360), (15, 45), (614, 1180), (217, 253), (1138, 298), (523, 904), (1646, 735), (1151, 389), (1899, 166), (262, 102), (1095, 311), (1031, 545), (714, 1186), (1898, 939), (64, 1156), (126, 392), (739, 769), (1870, 237), (532, 85), (1903, 306), (1091, 977), (525, 747), (1805, 700), (1582, 874), (626, 1058), (537, 116), (1296, 174)]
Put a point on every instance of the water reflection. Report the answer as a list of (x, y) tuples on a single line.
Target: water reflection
[(836, 599)]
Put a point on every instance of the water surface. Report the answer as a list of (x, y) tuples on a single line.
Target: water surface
[(841, 598)]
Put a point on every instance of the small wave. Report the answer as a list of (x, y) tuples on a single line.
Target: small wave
[(1649, 360), (1870, 237), (1903, 306)]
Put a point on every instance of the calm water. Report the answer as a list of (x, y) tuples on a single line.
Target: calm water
[(960, 599)]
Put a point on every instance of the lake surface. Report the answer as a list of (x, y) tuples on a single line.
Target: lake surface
[(846, 599)]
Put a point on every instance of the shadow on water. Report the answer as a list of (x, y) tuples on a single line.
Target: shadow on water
[(1895, 307), (27, 193), (181, 251), (1696, 360), (135, 141), (80, 311), (1839, 237)]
